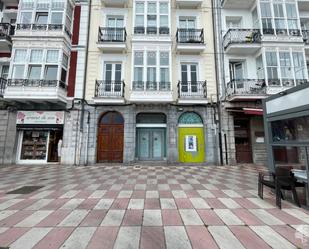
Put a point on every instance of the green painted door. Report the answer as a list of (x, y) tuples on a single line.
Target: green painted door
[(191, 144), (150, 144)]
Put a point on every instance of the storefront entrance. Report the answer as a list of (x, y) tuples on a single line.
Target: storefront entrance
[(39, 136), (151, 136), (191, 143), (242, 140), (110, 138)]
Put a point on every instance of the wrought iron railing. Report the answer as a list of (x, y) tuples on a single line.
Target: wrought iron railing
[(2, 86), (306, 36), (246, 87), (112, 34), (191, 89), (36, 83), (268, 31), (44, 27), (109, 88), (6, 30), (151, 86), (238, 36), (151, 30), (190, 35)]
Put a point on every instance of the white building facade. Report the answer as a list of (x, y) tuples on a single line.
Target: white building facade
[(48, 47), (150, 83), (263, 50)]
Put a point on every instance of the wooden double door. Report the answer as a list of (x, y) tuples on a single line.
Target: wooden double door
[(243, 140), (110, 141)]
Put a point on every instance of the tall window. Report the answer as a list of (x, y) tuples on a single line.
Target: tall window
[(279, 18), (291, 13), (285, 66), (299, 65), (19, 63), (266, 18), (164, 70), (138, 66), (272, 68)]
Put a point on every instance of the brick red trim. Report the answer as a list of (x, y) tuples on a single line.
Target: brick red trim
[(72, 74), (76, 25), (5, 55)]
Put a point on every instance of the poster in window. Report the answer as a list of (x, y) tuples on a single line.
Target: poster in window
[(191, 143)]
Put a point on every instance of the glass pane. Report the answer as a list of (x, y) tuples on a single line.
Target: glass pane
[(265, 10), (25, 17), (151, 58), (193, 73), (58, 4), (52, 56), (65, 60), (271, 59), (164, 74), (51, 72), (41, 18), (18, 72), (182, 24), (190, 118), (34, 72), (152, 8), (108, 72), (139, 21), (278, 10), (143, 147), (163, 21), (163, 8), (151, 74), (111, 22), (291, 10), (139, 8), (138, 58), (20, 55), (56, 18), (138, 74), (164, 58), (157, 144), (118, 72), (119, 23), (36, 56), (191, 24), (184, 73), (27, 4), (63, 75), (152, 20)]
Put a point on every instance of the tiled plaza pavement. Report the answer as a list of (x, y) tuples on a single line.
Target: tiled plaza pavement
[(151, 207)]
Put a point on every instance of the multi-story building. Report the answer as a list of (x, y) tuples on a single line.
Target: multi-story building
[(150, 83), (8, 15), (262, 46), (41, 77)]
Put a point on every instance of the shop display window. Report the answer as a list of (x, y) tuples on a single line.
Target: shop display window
[(34, 145), (294, 129)]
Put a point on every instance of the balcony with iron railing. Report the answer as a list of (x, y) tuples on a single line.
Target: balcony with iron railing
[(192, 91), (151, 91), (235, 40), (2, 86), (6, 31), (48, 29), (35, 90), (109, 91), (243, 89), (112, 38), (190, 40)]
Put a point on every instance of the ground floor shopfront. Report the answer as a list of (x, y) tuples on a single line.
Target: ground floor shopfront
[(146, 133), (244, 135)]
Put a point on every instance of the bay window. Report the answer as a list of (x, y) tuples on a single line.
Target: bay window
[(154, 14), (43, 12), (39, 64), (280, 15), (151, 70)]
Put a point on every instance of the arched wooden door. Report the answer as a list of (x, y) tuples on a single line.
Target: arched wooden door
[(110, 138)]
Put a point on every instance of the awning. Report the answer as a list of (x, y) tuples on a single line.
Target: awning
[(253, 111)]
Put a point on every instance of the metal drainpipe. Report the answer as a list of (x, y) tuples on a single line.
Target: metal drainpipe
[(85, 77), (5, 139), (87, 139), (217, 57)]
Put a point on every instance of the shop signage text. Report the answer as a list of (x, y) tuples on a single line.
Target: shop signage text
[(38, 117)]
